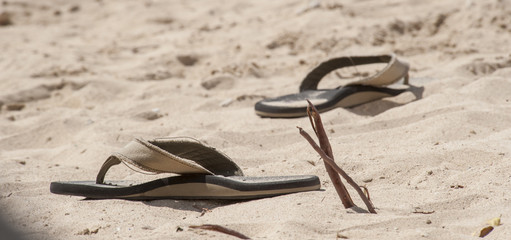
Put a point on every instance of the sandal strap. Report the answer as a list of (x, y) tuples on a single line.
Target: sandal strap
[(395, 70), (172, 155)]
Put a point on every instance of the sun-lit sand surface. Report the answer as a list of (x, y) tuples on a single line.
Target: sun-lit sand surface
[(80, 79)]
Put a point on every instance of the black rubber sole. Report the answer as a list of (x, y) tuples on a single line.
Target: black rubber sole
[(295, 105), (191, 187)]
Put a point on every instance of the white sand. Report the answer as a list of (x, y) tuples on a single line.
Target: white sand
[(90, 78)]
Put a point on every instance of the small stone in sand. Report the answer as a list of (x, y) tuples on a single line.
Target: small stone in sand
[(74, 8), (367, 180), (5, 19), (187, 60), (340, 236)]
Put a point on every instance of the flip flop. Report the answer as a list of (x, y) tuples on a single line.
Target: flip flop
[(206, 173), (352, 94)]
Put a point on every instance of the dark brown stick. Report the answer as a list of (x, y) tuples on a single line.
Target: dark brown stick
[(317, 125), (221, 229), (334, 166), (325, 151)]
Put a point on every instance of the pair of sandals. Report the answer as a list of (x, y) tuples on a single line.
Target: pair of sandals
[(206, 173)]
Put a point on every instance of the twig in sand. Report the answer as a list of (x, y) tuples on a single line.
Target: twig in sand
[(221, 229), (325, 151), (318, 128)]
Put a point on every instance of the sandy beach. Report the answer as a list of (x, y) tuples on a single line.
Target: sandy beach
[(81, 79)]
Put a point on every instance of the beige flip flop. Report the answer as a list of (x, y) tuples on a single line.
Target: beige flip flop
[(205, 173), (351, 94)]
